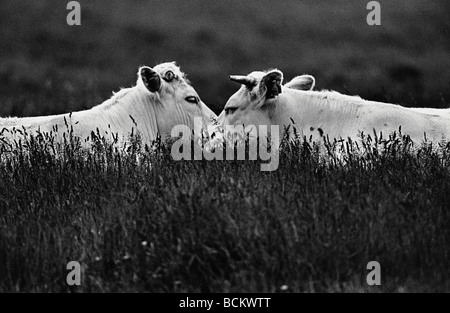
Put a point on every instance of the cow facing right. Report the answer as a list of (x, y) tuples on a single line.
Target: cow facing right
[(161, 99)]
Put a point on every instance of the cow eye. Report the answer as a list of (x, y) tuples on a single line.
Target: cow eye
[(192, 99), (230, 110), (169, 76)]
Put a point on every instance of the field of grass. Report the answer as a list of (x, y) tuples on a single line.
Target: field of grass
[(160, 225), (166, 226)]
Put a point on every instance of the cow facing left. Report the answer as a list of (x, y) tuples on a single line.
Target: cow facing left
[(317, 115), (161, 99)]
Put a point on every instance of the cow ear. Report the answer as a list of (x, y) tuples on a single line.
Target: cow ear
[(271, 84), (303, 82), (151, 79)]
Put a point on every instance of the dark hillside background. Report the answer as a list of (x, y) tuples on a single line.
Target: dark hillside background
[(48, 67)]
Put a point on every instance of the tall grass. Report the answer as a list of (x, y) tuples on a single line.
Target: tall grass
[(138, 221)]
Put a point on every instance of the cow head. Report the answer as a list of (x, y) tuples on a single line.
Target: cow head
[(173, 99), (255, 101)]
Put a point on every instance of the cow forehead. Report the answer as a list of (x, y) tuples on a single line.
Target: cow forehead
[(238, 99), (257, 74)]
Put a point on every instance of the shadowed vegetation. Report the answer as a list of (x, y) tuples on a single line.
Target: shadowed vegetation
[(138, 221)]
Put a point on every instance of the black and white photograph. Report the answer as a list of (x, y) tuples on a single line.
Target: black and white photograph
[(250, 149)]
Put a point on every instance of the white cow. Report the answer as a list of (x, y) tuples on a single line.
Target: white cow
[(302, 82), (262, 100), (161, 99)]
